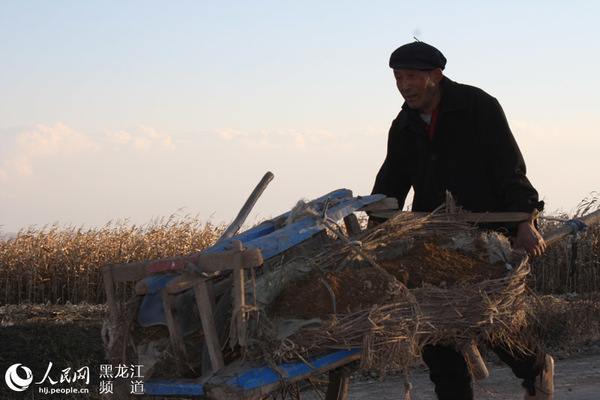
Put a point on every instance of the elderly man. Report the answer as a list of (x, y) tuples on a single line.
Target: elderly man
[(453, 137)]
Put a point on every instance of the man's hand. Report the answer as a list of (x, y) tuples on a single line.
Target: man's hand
[(530, 239)]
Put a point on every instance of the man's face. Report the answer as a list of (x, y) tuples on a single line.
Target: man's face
[(420, 89)]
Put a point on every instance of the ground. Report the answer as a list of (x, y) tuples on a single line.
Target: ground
[(576, 378), (69, 336)]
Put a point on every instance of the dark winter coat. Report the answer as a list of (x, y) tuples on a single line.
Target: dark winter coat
[(473, 154)]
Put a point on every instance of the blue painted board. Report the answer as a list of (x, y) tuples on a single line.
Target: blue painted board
[(248, 379), (269, 227), (282, 239)]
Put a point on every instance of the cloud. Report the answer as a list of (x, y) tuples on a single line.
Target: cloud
[(377, 130), (42, 141), (163, 139), (279, 139), (303, 139), (525, 132), (141, 138), (344, 146), (19, 165), (229, 134)]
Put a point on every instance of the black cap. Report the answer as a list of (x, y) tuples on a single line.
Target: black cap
[(417, 55)]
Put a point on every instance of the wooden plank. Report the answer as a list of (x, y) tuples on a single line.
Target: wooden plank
[(208, 262), (212, 297), (185, 282), (175, 333), (239, 316), (109, 287), (215, 262), (129, 272), (182, 283), (386, 204), (473, 357), (211, 263), (153, 284), (208, 325), (352, 225), (464, 216)]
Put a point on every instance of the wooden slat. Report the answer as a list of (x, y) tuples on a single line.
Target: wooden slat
[(175, 333), (129, 272), (239, 316), (109, 287), (352, 225), (214, 262), (185, 282), (212, 296), (207, 262), (386, 204), (182, 283), (473, 357), (152, 284), (465, 216), (208, 325), (210, 263)]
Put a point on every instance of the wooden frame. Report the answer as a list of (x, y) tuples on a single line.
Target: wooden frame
[(205, 292)]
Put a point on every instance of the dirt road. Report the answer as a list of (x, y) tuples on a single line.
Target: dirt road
[(575, 379)]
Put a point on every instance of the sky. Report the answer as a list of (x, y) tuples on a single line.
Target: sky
[(139, 110)]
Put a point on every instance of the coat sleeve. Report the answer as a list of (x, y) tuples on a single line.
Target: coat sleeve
[(392, 179), (505, 163)]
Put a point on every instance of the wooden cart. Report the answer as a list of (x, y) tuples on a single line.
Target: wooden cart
[(216, 270)]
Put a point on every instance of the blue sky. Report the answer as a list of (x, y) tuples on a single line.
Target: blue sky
[(141, 109)]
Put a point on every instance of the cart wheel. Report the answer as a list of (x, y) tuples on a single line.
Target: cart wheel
[(331, 387), (339, 381)]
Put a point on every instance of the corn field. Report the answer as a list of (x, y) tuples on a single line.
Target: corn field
[(60, 265), (573, 264)]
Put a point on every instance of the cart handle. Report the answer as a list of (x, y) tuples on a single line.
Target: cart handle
[(243, 214)]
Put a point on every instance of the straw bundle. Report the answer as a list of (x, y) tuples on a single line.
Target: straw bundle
[(395, 331), (392, 331)]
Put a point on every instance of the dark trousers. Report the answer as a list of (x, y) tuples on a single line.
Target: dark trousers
[(450, 374)]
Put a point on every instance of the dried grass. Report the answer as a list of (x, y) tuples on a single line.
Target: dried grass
[(573, 264), (393, 332), (59, 264)]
